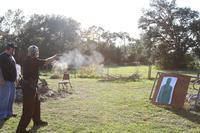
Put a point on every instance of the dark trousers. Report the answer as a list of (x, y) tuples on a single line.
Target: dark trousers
[(31, 108)]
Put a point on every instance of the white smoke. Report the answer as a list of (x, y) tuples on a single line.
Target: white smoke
[(75, 59)]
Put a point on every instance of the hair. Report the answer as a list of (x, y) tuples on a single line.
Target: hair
[(32, 50), (8, 47)]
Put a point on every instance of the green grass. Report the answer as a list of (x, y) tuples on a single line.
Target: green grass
[(109, 107), (143, 71)]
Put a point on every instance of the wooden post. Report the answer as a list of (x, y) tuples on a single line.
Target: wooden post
[(198, 73), (149, 71), (107, 72)]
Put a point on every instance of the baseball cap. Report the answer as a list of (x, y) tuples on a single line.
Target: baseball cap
[(11, 45)]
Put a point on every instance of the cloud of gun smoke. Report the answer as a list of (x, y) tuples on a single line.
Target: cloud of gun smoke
[(75, 59)]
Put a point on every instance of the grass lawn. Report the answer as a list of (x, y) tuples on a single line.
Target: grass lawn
[(110, 107)]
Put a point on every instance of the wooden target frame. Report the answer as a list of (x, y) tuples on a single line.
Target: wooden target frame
[(180, 89)]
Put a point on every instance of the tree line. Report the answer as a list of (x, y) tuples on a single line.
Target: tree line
[(170, 36)]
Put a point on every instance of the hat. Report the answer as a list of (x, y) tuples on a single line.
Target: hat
[(11, 45)]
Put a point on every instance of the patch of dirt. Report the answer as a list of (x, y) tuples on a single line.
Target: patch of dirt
[(132, 77), (45, 94)]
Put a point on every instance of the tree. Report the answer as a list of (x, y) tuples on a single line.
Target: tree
[(125, 38), (168, 30), (195, 28), (12, 23), (55, 33), (51, 33), (137, 52), (91, 39)]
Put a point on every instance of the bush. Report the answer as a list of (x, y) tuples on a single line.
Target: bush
[(173, 62), (55, 76), (93, 71), (193, 66)]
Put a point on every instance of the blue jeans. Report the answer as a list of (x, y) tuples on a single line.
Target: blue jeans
[(7, 98)]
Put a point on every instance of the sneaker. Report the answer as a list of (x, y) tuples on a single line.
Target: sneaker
[(40, 124)]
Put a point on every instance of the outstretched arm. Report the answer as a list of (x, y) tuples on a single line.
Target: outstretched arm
[(51, 59)]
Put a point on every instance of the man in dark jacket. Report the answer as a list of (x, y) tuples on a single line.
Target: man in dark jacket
[(7, 82), (31, 103)]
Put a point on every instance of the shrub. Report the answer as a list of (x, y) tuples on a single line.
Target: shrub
[(55, 76), (93, 71), (193, 66)]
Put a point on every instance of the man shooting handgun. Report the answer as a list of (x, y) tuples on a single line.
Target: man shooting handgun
[(31, 102)]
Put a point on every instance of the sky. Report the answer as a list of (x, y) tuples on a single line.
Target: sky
[(112, 15)]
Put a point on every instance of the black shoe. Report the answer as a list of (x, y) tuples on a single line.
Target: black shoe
[(4, 119), (13, 115), (40, 124), (27, 131), (24, 131)]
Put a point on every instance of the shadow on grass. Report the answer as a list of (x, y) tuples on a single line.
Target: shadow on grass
[(194, 72), (150, 78), (2, 123), (33, 129), (119, 81), (191, 116)]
